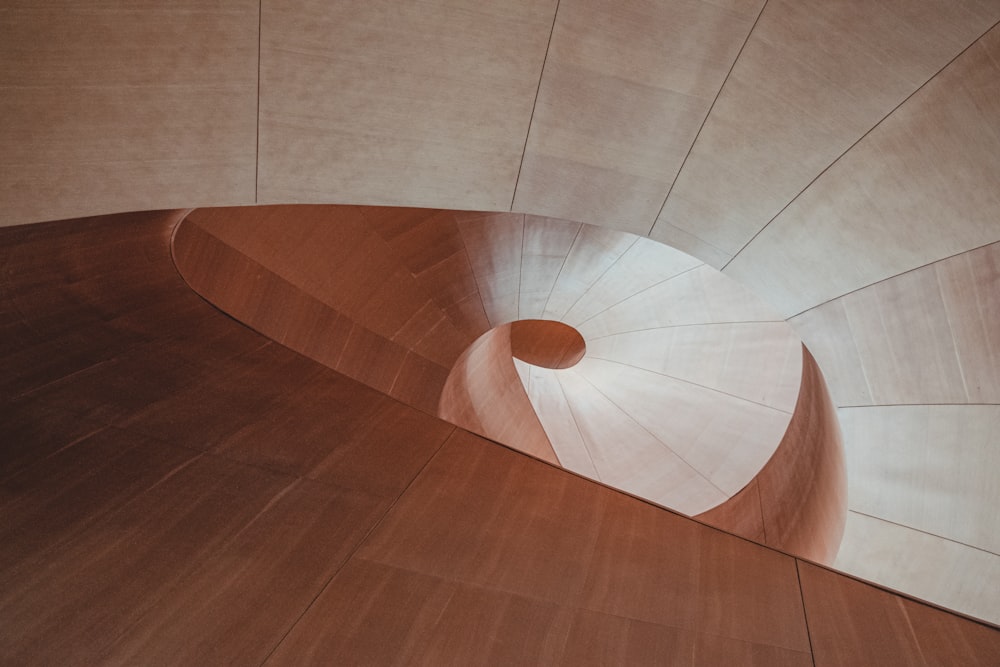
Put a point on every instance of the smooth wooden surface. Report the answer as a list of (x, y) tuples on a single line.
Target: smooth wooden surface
[(109, 108), (915, 448), (397, 104), (176, 488), (812, 79), (798, 501), (929, 336), (484, 394), (860, 625), (685, 416), (182, 490), (893, 203), (914, 360), (611, 127), (546, 343)]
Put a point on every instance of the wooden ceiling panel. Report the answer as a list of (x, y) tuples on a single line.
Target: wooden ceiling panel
[(926, 336), (726, 439), (813, 78), (106, 108), (422, 104), (920, 187), (647, 465), (699, 296), (612, 125), (928, 567), (758, 361), (928, 467)]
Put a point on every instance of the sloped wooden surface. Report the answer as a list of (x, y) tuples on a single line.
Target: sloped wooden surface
[(182, 490)]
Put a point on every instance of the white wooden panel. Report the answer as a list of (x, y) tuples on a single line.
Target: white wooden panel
[(931, 467), (925, 566), (625, 88), (813, 78), (406, 103), (920, 187), (110, 106), (759, 361)]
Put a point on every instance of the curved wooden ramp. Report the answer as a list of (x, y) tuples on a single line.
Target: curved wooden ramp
[(685, 388), (178, 490)]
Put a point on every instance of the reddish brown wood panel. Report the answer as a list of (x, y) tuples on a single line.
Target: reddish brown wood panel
[(176, 489), (851, 623), (798, 502), (546, 343), (484, 394)]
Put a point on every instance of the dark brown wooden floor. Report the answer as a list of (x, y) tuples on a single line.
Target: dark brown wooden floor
[(176, 489)]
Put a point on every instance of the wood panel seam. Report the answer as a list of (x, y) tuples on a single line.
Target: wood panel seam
[(924, 532), (704, 120), (531, 118), (892, 277), (653, 435), (682, 326), (256, 163), (357, 546), (851, 147), (555, 282), (805, 614), (690, 382), (597, 280), (643, 290), (579, 431)]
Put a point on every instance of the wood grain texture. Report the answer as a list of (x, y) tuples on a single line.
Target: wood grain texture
[(108, 108), (929, 467), (384, 103), (623, 452), (813, 78), (133, 531), (495, 531), (611, 126), (483, 393), (202, 495), (372, 292), (917, 189), (546, 343), (946, 572), (927, 336), (854, 624), (798, 501), (368, 317)]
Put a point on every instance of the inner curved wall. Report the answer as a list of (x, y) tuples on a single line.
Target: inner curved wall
[(692, 396)]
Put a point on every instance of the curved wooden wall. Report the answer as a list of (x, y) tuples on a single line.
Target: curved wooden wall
[(684, 445), (810, 149), (797, 502), (484, 394), (178, 489)]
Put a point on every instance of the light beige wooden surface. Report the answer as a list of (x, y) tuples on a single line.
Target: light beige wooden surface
[(932, 568), (611, 127), (929, 467), (110, 108), (920, 187), (813, 78), (926, 336), (916, 359), (704, 354), (417, 104)]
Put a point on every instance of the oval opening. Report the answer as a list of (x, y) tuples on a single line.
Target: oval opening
[(546, 343)]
